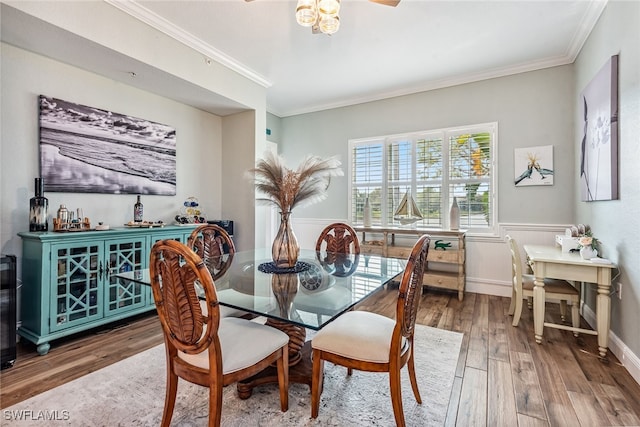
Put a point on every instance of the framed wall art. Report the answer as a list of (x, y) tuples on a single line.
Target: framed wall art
[(533, 166), (599, 144), (89, 150)]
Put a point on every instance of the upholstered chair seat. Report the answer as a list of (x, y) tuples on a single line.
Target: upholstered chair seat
[(360, 335), (257, 342)]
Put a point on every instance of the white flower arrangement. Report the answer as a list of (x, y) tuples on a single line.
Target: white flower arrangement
[(587, 239)]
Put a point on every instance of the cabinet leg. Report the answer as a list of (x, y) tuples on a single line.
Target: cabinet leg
[(43, 348)]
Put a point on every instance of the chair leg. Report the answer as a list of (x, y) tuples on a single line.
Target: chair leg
[(563, 310), (396, 395), (512, 306), (575, 316), (349, 371), (215, 403), (517, 311), (530, 303), (283, 378), (170, 397), (412, 377), (317, 378)]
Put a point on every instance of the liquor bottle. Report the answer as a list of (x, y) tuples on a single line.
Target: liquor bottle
[(138, 211), (38, 209)]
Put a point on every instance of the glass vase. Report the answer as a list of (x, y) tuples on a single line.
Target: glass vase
[(285, 249), (454, 215), (367, 213), (587, 252)]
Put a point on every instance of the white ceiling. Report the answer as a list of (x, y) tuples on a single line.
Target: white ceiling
[(379, 51)]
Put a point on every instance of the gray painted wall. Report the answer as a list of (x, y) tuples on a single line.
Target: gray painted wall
[(531, 109), (26, 75), (615, 222)]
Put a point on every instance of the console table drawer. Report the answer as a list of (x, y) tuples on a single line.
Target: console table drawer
[(441, 280), (399, 252), (444, 256)]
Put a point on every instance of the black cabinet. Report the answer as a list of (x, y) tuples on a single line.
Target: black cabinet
[(8, 309)]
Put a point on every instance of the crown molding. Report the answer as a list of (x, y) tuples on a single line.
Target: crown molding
[(152, 19), (589, 20), (436, 84)]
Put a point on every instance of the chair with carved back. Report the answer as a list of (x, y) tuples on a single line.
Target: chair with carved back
[(338, 238), (338, 249), (213, 244), (370, 342), (201, 346), (555, 289)]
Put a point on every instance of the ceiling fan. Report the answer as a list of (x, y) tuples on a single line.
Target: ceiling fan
[(322, 15)]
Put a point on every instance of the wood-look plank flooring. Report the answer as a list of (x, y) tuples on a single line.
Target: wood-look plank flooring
[(503, 378)]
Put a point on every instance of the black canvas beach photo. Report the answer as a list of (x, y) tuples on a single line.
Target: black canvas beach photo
[(89, 150)]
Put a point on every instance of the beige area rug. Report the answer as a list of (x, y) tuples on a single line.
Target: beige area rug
[(131, 393)]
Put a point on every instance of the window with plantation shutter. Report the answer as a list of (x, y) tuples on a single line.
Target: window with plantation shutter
[(432, 167)]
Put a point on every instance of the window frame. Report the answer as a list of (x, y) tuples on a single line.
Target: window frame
[(445, 181)]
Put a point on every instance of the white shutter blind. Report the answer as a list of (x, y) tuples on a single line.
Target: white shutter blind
[(470, 176), (367, 179), (433, 166)]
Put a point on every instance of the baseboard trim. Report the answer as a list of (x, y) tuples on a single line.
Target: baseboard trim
[(627, 358), (484, 286)]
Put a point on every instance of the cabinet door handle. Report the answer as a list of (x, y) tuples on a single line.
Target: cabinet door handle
[(100, 270)]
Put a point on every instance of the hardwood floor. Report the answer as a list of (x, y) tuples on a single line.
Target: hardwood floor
[(503, 377)]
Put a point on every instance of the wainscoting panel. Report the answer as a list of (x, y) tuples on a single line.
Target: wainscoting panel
[(488, 260)]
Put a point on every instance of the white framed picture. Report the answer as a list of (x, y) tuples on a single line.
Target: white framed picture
[(533, 166)]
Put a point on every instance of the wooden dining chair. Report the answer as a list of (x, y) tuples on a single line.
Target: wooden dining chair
[(370, 342), (338, 238), (338, 249), (214, 245), (555, 289), (201, 347)]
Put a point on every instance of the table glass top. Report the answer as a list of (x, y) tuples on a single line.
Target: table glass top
[(332, 285)]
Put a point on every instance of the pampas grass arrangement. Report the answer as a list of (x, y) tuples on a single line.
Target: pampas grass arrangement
[(287, 188)]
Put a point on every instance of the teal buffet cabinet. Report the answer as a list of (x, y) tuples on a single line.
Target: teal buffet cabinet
[(68, 282)]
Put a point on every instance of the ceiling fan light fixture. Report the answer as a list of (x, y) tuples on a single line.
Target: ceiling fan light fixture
[(328, 7), (329, 24), (306, 12)]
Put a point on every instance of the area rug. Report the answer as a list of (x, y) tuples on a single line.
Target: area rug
[(131, 393)]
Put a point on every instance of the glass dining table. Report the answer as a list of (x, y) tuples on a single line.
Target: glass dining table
[(323, 286)]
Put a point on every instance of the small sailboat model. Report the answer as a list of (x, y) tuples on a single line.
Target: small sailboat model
[(407, 211)]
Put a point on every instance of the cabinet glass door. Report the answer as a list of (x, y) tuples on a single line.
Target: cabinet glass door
[(125, 255), (75, 297), (181, 237)]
